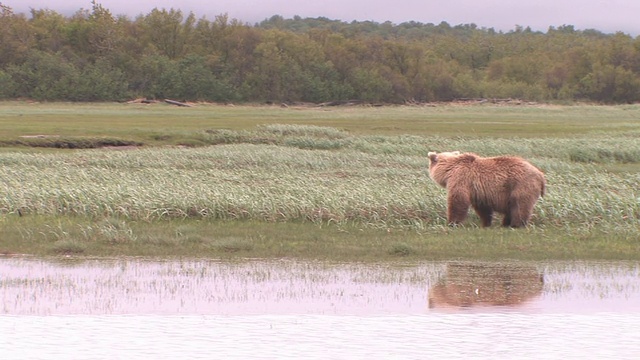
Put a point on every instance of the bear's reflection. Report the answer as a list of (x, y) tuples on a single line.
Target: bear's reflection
[(466, 285)]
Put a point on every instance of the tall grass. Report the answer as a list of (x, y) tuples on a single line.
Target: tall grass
[(315, 174)]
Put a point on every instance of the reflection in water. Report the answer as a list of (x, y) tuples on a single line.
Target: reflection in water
[(139, 286), (30, 286), (466, 285), (204, 309)]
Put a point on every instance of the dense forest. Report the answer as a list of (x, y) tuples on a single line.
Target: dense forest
[(95, 55)]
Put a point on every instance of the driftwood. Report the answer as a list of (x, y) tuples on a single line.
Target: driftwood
[(142, 101), (177, 103), (342, 103), (508, 101)]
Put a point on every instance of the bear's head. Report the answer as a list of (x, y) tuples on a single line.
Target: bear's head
[(434, 156), (440, 174)]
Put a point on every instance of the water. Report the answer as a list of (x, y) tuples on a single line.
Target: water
[(203, 309)]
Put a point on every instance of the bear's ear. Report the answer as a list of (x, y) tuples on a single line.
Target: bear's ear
[(433, 156)]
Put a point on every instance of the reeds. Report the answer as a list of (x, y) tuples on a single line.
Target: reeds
[(315, 174)]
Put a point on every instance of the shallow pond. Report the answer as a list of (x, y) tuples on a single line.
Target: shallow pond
[(125, 308)]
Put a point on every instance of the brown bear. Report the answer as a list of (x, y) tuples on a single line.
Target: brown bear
[(507, 185)]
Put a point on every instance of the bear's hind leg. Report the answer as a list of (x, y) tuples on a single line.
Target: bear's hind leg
[(519, 213), (457, 208), (485, 213), (506, 222)]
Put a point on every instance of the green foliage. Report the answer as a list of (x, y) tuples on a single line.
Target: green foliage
[(610, 84), (96, 56), (100, 81), (46, 76), (190, 78), (197, 81), (6, 85), (370, 85)]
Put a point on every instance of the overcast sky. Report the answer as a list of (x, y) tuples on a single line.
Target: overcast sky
[(605, 15)]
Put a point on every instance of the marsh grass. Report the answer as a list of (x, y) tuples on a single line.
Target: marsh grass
[(275, 183), (68, 142), (232, 245), (401, 249), (68, 247), (303, 188)]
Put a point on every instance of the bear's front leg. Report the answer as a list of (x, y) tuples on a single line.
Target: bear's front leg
[(458, 204)]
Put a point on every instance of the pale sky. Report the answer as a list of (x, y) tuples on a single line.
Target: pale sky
[(604, 15)]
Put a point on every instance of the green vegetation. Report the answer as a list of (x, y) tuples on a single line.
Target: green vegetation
[(337, 183), (81, 236), (95, 55)]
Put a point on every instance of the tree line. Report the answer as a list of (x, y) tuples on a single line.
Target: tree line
[(94, 55)]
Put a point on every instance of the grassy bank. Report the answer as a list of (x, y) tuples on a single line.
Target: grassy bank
[(341, 183), (43, 235)]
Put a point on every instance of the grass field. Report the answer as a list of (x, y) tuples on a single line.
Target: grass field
[(334, 183)]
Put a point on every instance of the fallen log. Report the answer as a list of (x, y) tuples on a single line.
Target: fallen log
[(177, 103), (342, 102)]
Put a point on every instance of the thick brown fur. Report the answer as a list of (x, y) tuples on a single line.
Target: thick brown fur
[(507, 185)]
